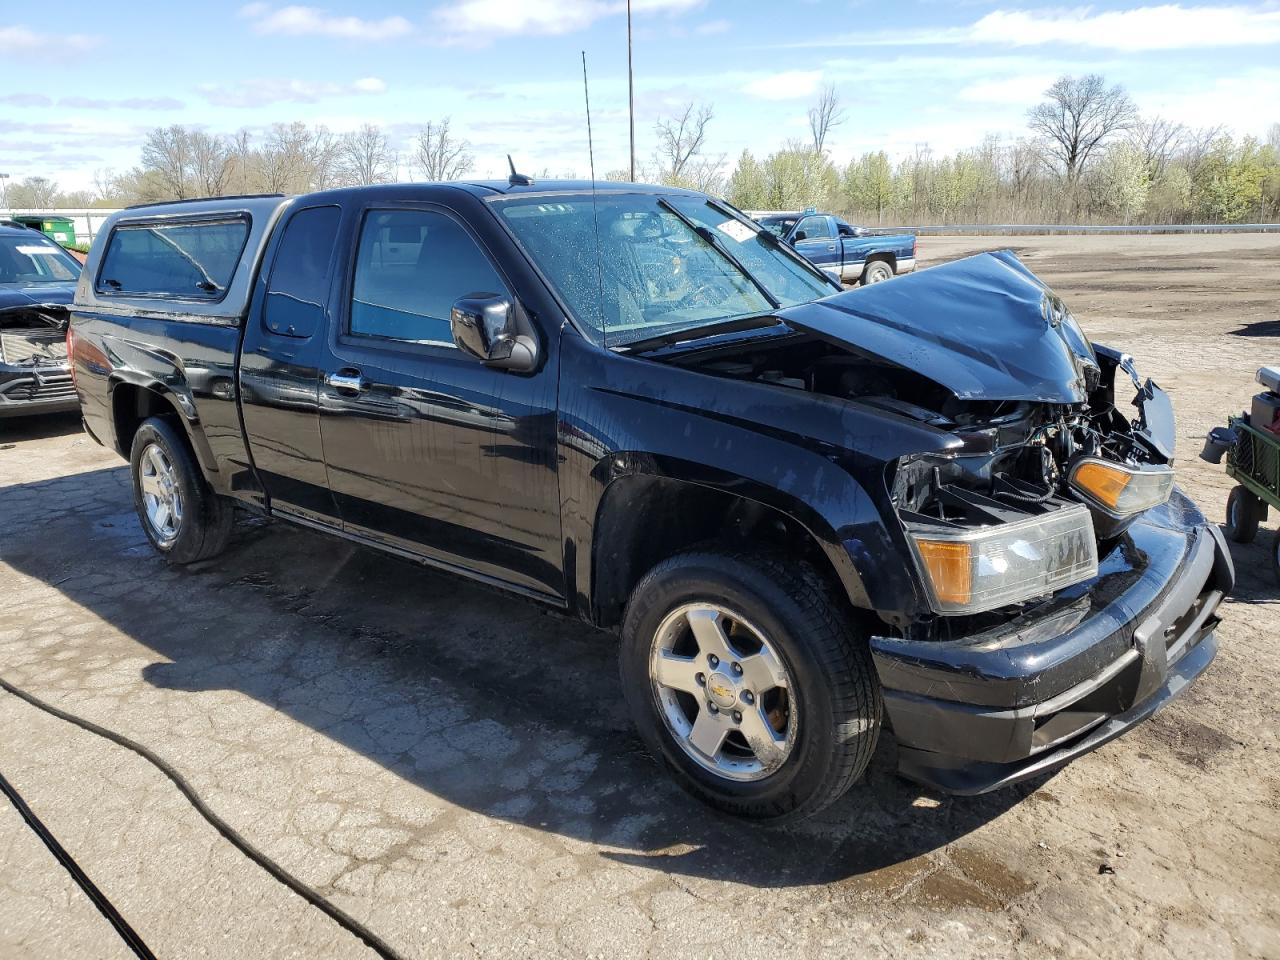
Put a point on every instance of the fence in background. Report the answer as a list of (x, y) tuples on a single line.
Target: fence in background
[(88, 220)]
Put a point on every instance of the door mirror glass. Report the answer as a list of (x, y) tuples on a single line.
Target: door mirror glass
[(485, 326)]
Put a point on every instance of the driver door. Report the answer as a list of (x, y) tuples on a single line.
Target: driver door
[(429, 450)]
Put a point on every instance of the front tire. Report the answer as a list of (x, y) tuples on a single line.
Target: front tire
[(747, 680), (184, 520)]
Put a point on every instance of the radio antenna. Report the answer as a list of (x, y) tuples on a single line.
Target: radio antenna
[(595, 214)]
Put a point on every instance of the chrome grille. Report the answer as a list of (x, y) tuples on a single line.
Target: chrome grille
[(53, 386), (36, 348)]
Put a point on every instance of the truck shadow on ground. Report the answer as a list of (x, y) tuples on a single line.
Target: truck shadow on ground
[(13, 429), (488, 702)]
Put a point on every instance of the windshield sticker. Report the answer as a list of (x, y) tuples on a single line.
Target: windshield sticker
[(46, 251), (735, 230)]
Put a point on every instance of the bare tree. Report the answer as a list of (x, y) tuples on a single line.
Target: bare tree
[(323, 156), (166, 152), (210, 163), (286, 161), (680, 139), (824, 115), (104, 184), (34, 192), (1156, 140), (1196, 146), (441, 156), (242, 160), (1080, 114), (1273, 136), (363, 156)]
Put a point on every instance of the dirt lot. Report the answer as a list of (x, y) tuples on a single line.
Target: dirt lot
[(456, 768)]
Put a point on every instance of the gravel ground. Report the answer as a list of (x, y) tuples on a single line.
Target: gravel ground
[(455, 768)]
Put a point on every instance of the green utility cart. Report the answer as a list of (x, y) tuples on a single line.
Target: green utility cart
[(1251, 443), (59, 229)]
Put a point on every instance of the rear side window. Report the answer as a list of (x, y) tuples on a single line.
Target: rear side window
[(411, 266), (182, 261), (299, 284)]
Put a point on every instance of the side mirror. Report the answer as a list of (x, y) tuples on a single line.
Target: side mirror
[(798, 236), (486, 326)]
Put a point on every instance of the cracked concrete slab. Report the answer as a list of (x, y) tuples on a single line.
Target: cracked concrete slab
[(455, 768)]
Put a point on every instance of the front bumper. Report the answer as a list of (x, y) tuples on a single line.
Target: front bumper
[(1014, 699), (27, 390)]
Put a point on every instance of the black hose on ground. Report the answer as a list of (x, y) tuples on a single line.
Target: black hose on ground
[(336, 913), (99, 899)]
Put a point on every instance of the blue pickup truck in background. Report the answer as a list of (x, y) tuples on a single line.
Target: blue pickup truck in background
[(854, 253)]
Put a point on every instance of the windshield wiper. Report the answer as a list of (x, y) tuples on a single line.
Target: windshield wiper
[(773, 240), (708, 236), (697, 333)]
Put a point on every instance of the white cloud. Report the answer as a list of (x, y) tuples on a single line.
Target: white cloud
[(477, 20), (16, 39), (1022, 90), (1168, 26), (789, 85), (1244, 103), (300, 21), (267, 90), (712, 27)]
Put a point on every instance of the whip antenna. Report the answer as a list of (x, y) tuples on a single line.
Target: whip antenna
[(595, 215)]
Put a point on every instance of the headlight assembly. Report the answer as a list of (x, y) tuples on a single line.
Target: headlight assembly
[(1120, 491), (977, 569)]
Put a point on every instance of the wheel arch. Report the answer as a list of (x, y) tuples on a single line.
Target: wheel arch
[(644, 517), (134, 401)]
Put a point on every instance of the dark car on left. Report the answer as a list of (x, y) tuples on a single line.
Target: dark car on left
[(37, 282)]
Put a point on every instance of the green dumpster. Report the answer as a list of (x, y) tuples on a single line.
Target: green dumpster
[(60, 229)]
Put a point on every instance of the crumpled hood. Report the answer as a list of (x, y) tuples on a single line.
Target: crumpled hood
[(984, 327), (27, 294)]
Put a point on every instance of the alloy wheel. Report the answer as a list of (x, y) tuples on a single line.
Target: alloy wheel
[(724, 693), (161, 494)]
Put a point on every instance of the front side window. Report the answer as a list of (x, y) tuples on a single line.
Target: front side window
[(814, 228), (183, 261), (660, 265), (33, 259), (411, 265)]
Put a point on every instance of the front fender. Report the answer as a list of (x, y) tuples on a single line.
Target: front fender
[(817, 460)]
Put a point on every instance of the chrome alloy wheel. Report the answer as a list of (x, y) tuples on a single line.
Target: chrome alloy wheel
[(723, 692), (161, 495)]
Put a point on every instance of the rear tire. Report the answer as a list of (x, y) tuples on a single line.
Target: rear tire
[(184, 520), (783, 623), (876, 271), (1244, 513)]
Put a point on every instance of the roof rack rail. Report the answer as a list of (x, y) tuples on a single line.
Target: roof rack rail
[(238, 196)]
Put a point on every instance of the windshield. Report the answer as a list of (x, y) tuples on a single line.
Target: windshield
[(34, 259), (658, 274), (778, 226)]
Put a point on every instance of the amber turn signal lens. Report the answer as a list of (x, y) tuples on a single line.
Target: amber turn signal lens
[(950, 569), (1103, 482)]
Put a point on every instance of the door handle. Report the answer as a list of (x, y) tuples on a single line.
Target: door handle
[(347, 380), (831, 247)]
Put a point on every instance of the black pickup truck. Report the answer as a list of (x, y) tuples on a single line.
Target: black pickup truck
[(804, 510)]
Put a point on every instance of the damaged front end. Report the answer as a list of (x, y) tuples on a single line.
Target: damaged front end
[(1065, 588), (35, 376)]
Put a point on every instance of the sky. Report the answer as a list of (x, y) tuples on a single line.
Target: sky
[(83, 82)]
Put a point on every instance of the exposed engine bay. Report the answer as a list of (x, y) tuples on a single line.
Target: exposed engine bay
[(34, 335), (1016, 457)]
